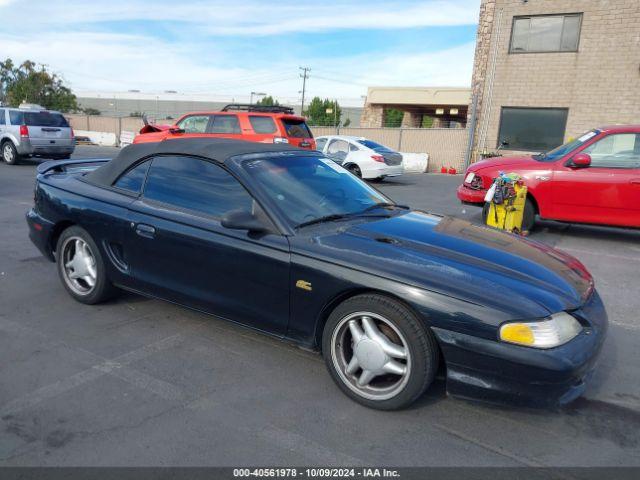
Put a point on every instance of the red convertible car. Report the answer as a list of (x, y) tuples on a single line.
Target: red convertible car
[(593, 179)]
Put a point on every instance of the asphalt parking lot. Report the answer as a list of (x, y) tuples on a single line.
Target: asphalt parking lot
[(143, 382)]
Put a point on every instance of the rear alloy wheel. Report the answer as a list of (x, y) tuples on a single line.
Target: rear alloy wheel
[(355, 169), (10, 153), (81, 267), (378, 353)]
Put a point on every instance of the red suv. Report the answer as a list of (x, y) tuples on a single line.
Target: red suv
[(592, 179), (253, 123)]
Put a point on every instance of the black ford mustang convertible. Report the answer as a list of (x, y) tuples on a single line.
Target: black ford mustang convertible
[(287, 242)]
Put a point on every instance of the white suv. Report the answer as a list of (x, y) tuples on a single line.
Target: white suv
[(33, 131), (362, 157)]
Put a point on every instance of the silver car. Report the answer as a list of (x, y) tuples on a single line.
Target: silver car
[(34, 132)]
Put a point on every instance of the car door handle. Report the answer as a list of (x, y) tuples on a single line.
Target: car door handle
[(635, 181), (146, 231)]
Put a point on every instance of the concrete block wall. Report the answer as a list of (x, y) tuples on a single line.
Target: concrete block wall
[(599, 84)]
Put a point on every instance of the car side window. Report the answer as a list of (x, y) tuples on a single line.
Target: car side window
[(16, 117), (618, 150), (320, 143), (194, 184), (262, 124), (194, 123), (337, 146), (353, 147), (224, 124), (133, 179), (2, 117)]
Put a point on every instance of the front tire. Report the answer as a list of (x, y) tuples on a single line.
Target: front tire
[(81, 267), (10, 153), (528, 215), (378, 352)]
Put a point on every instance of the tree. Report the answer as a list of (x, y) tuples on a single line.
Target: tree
[(268, 101), (31, 83), (91, 111), (323, 113), (393, 117)]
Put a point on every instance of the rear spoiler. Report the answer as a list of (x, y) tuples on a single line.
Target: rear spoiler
[(60, 166)]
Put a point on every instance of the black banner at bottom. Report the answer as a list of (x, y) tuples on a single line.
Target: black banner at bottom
[(404, 473)]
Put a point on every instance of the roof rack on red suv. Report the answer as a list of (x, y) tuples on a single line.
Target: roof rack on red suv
[(251, 107)]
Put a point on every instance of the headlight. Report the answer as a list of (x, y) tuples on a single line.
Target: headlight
[(548, 333)]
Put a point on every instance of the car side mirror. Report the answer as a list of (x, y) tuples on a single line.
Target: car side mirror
[(176, 130), (581, 160), (243, 220)]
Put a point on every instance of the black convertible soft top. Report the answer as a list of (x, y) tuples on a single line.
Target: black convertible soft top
[(218, 149)]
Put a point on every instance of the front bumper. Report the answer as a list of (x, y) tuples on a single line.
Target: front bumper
[(470, 195), (40, 231), (498, 372)]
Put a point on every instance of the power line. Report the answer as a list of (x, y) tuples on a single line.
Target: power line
[(304, 76)]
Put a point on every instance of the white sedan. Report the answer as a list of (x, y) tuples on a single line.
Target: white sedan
[(362, 157)]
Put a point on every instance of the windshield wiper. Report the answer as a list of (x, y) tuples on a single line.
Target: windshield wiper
[(326, 218), (382, 205), (342, 216)]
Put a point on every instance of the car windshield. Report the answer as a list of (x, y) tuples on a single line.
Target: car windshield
[(308, 188), (562, 150), (373, 145)]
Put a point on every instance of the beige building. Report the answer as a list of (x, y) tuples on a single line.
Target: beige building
[(421, 107), (548, 70)]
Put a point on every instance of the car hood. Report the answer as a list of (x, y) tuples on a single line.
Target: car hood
[(501, 163), (473, 263)]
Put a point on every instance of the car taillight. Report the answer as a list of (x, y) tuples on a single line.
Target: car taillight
[(377, 158), (280, 140), (73, 135), (24, 131)]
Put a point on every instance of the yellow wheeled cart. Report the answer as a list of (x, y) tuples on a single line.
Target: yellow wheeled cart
[(507, 215)]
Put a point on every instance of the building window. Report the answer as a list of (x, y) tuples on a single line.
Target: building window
[(546, 33), (532, 129)]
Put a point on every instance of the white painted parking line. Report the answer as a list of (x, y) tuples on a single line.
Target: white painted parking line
[(104, 368)]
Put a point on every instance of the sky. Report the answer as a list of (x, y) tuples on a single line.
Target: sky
[(228, 49)]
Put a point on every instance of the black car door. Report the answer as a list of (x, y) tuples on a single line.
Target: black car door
[(178, 250)]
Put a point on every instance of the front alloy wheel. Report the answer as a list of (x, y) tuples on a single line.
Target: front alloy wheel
[(370, 355), (379, 352)]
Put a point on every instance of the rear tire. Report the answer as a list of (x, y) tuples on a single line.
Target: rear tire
[(355, 169), (81, 267), (378, 352), (10, 153)]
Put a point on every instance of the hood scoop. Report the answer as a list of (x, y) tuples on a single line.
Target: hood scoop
[(388, 240)]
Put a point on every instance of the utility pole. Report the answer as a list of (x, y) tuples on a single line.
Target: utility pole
[(304, 75)]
